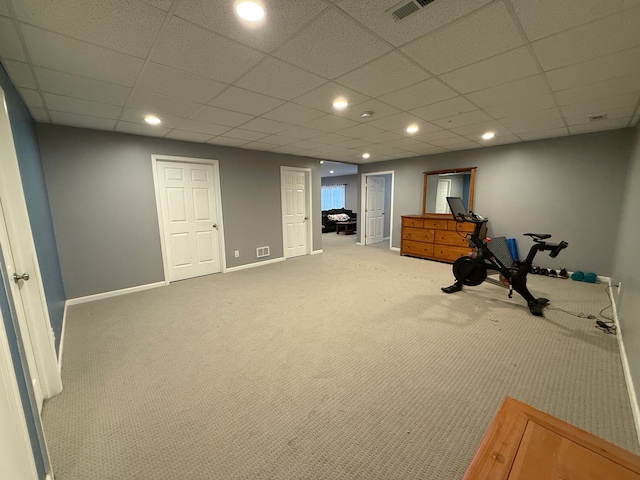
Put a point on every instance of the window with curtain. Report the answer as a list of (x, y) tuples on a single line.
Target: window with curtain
[(333, 196)]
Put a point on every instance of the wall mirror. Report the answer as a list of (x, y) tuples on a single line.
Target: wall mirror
[(440, 184)]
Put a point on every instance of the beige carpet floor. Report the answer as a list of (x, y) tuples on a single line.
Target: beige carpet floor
[(346, 365)]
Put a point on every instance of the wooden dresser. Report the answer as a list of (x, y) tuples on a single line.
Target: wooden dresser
[(434, 237)]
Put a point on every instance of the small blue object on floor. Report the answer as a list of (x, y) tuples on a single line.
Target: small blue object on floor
[(578, 276), (590, 277)]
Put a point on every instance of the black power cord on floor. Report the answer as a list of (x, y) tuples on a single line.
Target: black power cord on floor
[(607, 325)]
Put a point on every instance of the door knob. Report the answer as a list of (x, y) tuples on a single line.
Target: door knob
[(17, 278), (215, 225)]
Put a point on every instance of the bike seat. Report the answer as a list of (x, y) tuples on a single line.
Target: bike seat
[(538, 236)]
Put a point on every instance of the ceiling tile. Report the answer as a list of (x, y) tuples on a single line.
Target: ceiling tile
[(81, 107), (468, 145), (604, 68), (82, 121), (595, 91), (332, 45), (228, 141), (266, 126), (448, 108), (540, 134), (477, 129), (438, 135), (593, 40), (546, 17), (545, 120), (322, 97), (357, 142), (124, 25), (170, 82), (446, 142), (161, 4), (624, 113), (188, 136), (260, 146), (301, 132), (220, 117), (140, 129), (487, 32), (601, 106), (293, 113), (4, 8), (420, 94), (160, 105), (330, 138), (526, 105), (497, 70), (386, 74), (510, 92), (242, 134), (284, 17), (394, 122), (31, 98), (20, 73), (278, 79), (185, 46), (245, 101), (361, 130), (330, 123), (41, 115), (463, 119), (79, 87), (10, 45), (599, 126), (202, 127), (382, 137), (278, 140), (50, 50), (377, 17)]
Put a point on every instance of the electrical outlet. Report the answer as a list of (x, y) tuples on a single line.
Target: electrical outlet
[(237, 253)]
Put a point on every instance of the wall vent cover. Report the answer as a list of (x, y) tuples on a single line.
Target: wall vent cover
[(595, 118), (262, 252), (405, 9)]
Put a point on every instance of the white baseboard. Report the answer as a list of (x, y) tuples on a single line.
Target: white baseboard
[(633, 399), (64, 325), (114, 293), (316, 252), (395, 249), (252, 265)]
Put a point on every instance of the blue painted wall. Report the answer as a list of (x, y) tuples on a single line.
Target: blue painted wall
[(35, 190)]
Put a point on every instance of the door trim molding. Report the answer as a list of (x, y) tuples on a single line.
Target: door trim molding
[(309, 208), (363, 206), (155, 158)]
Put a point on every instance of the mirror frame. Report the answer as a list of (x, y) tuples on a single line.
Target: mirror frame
[(472, 185)]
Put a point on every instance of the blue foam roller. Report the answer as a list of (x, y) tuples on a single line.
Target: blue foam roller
[(513, 249)]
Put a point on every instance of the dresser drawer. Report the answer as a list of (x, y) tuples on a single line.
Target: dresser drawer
[(418, 234), (412, 222), (417, 248), (448, 237), (451, 254), (435, 224), (460, 226)]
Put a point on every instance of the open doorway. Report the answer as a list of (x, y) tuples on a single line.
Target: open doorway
[(339, 196), (377, 201)]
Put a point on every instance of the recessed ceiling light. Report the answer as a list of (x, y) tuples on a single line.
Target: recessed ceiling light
[(365, 155), (250, 11), (330, 171), (367, 114), (340, 104), (412, 128), (152, 120), (488, 135), (321, 161)]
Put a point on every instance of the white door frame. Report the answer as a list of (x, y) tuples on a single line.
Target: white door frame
[(362, 227), (308, 206), (34, 317), (218, 200)]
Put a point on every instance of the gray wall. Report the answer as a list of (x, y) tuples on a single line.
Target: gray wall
[(625, 268), (351, 182), (571, 187), (24, 138), (103, 204)]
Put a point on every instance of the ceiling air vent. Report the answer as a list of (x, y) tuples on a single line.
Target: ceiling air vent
[(405, 9), (595, 118)]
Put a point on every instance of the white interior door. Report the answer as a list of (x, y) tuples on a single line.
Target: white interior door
[(374, 214), (443, 191), (295, 216), (21, 260), (189, 219)]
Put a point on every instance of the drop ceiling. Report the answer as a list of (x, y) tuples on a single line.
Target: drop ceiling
[(457, 68)]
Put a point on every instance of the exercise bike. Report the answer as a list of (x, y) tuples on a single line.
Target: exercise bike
[(472, 270)]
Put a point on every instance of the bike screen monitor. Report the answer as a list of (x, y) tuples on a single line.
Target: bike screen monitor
[(458, 210)]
